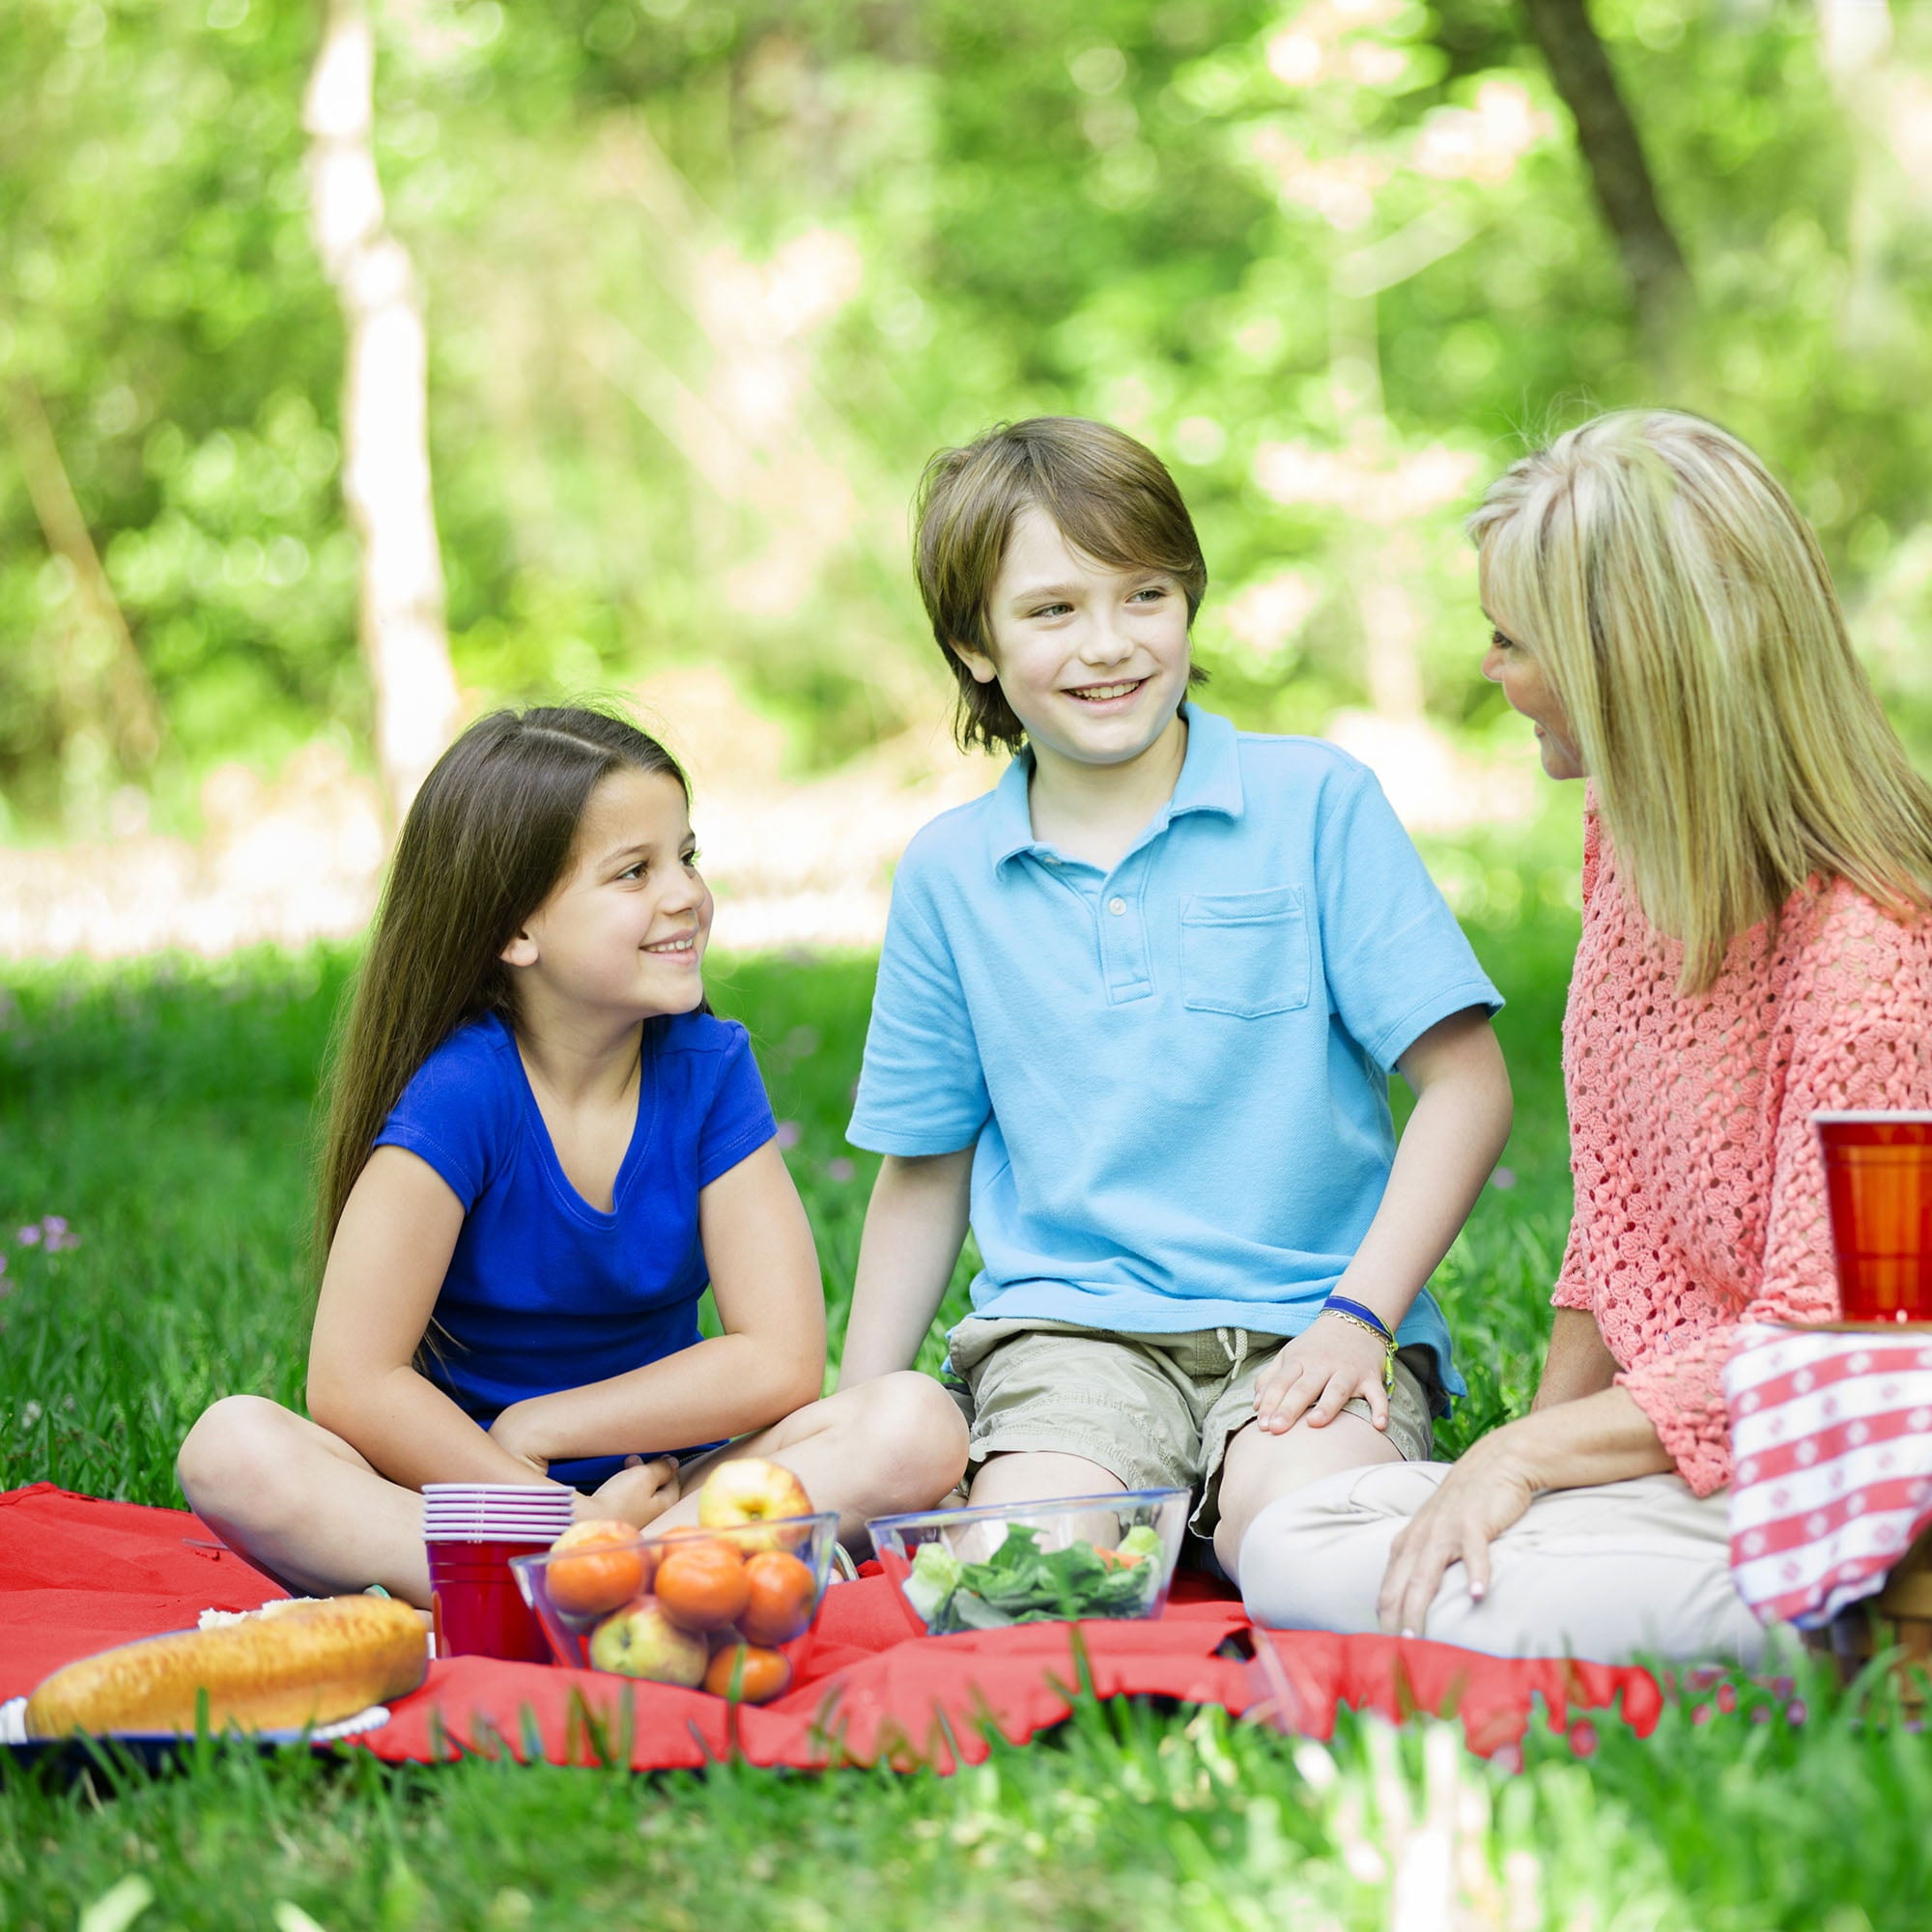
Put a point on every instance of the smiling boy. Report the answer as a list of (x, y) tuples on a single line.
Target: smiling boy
[(1135, 1015)]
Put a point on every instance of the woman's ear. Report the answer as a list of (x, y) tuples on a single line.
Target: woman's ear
[(979, 663), (521, 950)]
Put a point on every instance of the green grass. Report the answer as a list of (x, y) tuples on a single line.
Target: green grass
[(163, 1111)]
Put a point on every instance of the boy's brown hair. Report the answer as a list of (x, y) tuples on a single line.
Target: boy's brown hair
[(1110, 496)]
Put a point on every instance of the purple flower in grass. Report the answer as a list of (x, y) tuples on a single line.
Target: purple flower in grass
[(789, 1135), (51, 1232), (838, 1168)]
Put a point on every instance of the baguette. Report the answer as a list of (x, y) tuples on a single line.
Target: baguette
[(308, 1663)]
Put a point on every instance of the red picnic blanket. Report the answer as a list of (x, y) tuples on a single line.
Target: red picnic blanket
[(78, 1574)]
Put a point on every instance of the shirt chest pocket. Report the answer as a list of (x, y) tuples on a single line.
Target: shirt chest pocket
[(1245, 954)]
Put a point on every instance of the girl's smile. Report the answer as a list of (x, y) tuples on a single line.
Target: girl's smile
[(624, 930)]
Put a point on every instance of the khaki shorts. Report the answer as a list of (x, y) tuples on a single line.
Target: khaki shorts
[(1158, 1411)]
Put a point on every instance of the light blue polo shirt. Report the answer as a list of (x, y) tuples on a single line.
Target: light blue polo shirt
[(1174, 1075)]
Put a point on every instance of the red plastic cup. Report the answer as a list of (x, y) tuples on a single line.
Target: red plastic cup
[(1878, 1182), (477, 1608)]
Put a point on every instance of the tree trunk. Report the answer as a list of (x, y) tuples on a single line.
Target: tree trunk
[(385, 474), (101, 677), (1607, 138), (1855, 44)]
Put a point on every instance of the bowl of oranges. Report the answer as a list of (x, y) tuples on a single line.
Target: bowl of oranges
[(724, 1604)]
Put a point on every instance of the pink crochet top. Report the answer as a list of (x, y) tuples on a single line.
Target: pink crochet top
[(1700, 1188)]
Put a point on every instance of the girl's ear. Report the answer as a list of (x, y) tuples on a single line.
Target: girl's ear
[(979, 663), (521, 950)]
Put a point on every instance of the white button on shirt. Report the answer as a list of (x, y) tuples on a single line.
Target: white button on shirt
[(1117, 908)]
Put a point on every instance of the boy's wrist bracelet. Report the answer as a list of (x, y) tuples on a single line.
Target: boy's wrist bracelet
[(1368, 1321), (1358, 1311)]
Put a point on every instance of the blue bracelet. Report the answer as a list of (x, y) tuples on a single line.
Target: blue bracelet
[(1341, 1305)]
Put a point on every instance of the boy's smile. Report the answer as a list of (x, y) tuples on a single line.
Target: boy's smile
[(1093, 658)]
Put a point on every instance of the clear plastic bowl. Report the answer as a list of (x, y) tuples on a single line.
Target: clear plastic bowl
[(571, 1628), (1007, 1563)]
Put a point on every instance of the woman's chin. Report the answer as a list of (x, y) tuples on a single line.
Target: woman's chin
[(1559, 761)]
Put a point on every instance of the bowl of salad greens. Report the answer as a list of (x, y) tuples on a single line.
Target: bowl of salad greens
[(1027, 1563)]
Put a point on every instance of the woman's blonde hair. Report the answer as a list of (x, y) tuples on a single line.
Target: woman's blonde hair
[(1682, 612)]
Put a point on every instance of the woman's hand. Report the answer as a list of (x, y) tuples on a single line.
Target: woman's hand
[(1479, 1498), (1590, 1439), (1317, 1372), (638, 1493)]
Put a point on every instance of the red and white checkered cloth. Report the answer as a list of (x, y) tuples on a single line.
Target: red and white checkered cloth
[(1832, 1447)]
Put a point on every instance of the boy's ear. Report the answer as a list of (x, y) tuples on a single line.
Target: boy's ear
[(979, 663), (521, 950)]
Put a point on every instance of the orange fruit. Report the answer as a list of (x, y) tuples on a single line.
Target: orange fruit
[(748, 1674), (595, 1567), (702, 1585), (779, 1606)]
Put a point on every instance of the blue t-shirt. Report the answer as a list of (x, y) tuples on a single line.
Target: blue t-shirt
[(544, 1291), (1174, 1075)]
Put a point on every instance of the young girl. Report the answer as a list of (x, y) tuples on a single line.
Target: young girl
[(540, 1145)]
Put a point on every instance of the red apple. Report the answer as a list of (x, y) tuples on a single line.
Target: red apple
[(748, 1491), (640, 1641)]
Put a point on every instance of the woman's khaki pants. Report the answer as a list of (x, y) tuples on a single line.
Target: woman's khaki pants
[(1624, 1571)]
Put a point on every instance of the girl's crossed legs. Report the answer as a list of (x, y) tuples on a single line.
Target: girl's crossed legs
[(299, 1502)]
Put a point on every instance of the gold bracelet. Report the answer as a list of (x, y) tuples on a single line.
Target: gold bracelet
[(1387, 1342)]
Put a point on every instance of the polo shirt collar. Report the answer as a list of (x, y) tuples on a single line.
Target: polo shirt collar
[(1209, 780)]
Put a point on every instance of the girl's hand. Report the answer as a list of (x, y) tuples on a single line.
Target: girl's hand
[(1317, 1372), (1479, 1498), (638, 1493)]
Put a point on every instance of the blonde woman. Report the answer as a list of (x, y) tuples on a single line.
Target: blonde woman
[(1757, 867)]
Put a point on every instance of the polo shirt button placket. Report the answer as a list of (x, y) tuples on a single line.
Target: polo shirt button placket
[(1123, 951)]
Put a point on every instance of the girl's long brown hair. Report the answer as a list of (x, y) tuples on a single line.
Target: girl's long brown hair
[(488, 836)]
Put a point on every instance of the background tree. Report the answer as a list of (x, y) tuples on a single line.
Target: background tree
[(710, 278), (385, 411), (1611, 149)]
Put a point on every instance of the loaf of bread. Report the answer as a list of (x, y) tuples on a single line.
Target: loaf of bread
[(291, 1665)]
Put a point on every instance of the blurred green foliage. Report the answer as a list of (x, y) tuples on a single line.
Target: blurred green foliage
[(708, 280)]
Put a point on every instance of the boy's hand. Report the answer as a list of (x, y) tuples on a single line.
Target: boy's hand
[(638, 1493), (1317, 1372)]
